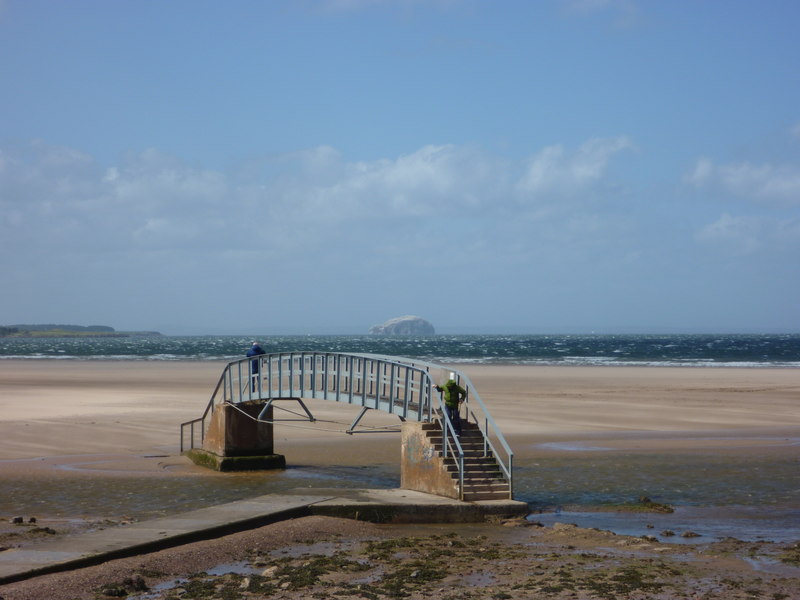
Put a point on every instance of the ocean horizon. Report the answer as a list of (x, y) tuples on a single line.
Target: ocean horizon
[(667, 350)]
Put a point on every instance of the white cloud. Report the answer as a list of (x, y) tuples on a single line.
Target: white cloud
[(293, 203), (765, 182), (702, 173), (320, 185), (554, 169), (159, 179), (742, 235), (739, 234)]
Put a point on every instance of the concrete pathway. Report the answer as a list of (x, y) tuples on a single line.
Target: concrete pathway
[(382, 506)]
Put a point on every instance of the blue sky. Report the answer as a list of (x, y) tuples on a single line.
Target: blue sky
[(320, 166)]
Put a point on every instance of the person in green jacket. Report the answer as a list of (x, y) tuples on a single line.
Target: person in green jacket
[(454, 395)]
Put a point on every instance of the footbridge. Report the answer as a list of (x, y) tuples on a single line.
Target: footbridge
[(474, 466)]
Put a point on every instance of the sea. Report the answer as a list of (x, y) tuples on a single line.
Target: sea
[(749, 496), (694, 350)]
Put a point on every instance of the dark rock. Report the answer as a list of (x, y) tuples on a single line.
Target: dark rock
[(44, 530), (690, 534), (408, 325), (114, 591), (647, 504), (135, 584)]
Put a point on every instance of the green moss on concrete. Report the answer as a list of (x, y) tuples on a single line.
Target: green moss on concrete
[(236, 463)]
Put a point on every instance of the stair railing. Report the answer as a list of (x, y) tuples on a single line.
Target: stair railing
[(494, 443), (189, 426), (451, 446)]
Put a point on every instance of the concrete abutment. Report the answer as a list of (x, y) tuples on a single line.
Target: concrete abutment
[(237, 441)]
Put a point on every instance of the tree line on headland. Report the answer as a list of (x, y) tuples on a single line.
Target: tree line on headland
[(52, 330)]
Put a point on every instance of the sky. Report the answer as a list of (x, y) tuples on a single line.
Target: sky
[(322, 166)]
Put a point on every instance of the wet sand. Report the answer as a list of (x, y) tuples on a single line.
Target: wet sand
[(61, 420)]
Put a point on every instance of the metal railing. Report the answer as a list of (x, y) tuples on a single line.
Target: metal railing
[(396, 385)]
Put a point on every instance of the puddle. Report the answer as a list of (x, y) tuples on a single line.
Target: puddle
[(156, 590), (479, 579), (710, 524), (376, 575), (238, 568), (771, 565)]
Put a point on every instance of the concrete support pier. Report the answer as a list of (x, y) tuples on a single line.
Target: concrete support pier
[(237, 441), (422, 467)]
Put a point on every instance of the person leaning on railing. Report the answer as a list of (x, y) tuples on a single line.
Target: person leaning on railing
[(255, 350), (454, 395)]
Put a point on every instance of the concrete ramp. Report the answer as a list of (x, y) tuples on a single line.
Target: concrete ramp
[(380, 505)]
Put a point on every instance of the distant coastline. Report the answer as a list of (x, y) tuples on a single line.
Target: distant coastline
[(68, 331)]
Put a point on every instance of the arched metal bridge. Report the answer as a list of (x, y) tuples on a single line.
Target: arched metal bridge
[(395, 385)]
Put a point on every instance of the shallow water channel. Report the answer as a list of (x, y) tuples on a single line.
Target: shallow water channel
[(751, 497)]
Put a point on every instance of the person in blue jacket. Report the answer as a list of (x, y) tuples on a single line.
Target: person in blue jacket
[(255, 366)]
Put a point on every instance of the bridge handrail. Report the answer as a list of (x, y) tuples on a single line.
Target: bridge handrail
[(201, 420), (236, 385)]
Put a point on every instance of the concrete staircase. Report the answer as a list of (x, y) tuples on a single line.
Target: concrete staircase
[(483, 479)]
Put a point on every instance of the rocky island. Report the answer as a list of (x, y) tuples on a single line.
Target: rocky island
[(408, 325)]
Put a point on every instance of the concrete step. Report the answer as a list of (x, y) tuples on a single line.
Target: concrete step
[(492, 482), (471, 461), (472, 470), (478, 496), (485, 487), (476, 458), (471, 449), (484, 482)]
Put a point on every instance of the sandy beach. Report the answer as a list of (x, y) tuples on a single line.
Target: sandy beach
[(54, 409), (69, 419)]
